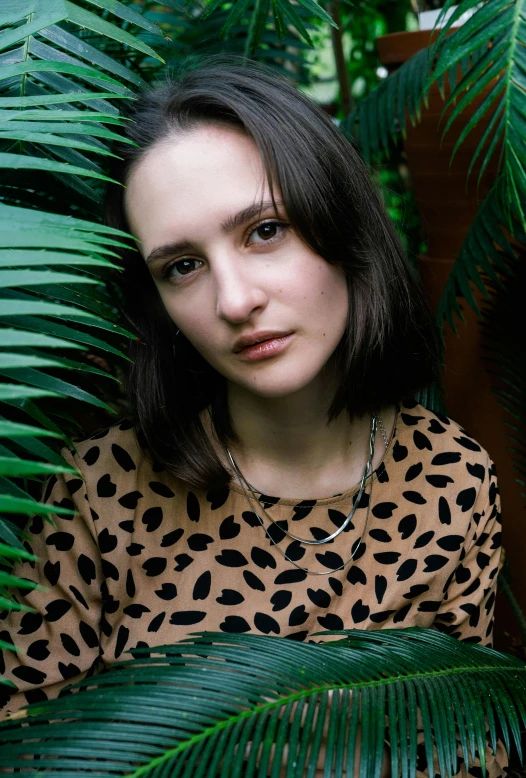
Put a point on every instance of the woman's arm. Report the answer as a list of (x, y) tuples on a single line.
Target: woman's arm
[(467, 609), (59, 642)]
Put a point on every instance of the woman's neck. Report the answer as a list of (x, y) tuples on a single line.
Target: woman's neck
[(287, 449)]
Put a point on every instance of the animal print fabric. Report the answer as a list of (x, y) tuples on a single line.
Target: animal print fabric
[(148, 560)]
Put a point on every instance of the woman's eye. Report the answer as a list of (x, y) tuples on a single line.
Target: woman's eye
[(267, 231), (180, 267)]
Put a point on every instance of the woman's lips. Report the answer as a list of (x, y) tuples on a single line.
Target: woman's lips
[(265, 349)]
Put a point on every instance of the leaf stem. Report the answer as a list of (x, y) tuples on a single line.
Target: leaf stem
[(284, 700)]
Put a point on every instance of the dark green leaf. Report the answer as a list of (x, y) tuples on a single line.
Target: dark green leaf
[(93, 22), (43, 381)]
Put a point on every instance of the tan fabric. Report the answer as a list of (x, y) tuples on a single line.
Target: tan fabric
[(148, 561)]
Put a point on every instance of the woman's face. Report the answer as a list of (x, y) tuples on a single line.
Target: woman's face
[(222, 275)]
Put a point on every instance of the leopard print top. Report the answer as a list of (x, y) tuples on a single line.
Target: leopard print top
[(148, 560)]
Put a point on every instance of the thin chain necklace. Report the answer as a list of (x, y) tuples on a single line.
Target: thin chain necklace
[(356, 503), (308, 541)]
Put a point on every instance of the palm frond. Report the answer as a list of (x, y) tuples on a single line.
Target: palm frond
[(491, 262), (487, 251), (254, 35), (485, 53), (48, 74), (495, 39), (246, 705), (380, 118), (283, 11), (57, 98), (29, 302)]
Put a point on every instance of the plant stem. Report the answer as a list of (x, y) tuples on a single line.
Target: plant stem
[(339, 57)]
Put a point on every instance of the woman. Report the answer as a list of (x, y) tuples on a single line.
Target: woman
[(276, 476)]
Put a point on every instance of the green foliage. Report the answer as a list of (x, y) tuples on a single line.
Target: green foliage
[(486, 258), (380, 118), (487, 51), (241, 705), (482, 59), (495, 38), (284, 13), (191, 708), (194, 32), (52, 265)]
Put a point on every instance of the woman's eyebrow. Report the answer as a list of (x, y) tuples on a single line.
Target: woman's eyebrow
[(168, 249)]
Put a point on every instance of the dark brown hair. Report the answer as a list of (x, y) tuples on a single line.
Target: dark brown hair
[(390, 347)]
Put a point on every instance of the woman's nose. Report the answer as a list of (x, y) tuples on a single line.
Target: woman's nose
[(238, 294)]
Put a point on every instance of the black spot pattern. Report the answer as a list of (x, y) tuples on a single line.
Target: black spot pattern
[(148, 560), (122, 458)]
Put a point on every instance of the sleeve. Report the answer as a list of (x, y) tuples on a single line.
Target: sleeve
[(58, 641), (466, 612)]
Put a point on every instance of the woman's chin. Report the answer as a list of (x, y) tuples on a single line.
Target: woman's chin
[(275, 387)]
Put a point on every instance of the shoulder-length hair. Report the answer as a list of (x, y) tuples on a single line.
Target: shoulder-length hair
[(390, 347)]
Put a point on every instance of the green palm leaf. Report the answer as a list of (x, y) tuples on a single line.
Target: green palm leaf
[(244, 705), (21, 367), (495, 36), (252, 35), (16, 278), (20, 258), (57, 93), (79, 49), (485, 254), (51, 73), (9, 429), (486, 52), (8, 71), (12, 466), (73, 337), (380, 118)]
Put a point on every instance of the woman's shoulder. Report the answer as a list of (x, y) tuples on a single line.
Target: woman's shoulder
[(118, 471), (114, 463), (427, 434), (111, 447), (442, 474)]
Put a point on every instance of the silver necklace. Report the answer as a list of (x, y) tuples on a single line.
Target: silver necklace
[(347, 521), (306, 569), (349, 517), (368, 466), (384, 433), (253, 488)]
